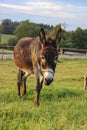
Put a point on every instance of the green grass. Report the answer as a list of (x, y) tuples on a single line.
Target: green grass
[(5, 38), (63, 104)]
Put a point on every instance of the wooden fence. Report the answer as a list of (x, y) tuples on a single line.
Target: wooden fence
[(8, 50), (63, 50), (72, 51)]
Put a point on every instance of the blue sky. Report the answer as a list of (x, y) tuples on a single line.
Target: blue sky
[(71, 12)]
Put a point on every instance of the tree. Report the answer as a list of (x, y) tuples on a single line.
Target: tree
[(8, 27), (12, 41), (26, 29), (54, 30), (79, 38), (66, 39)]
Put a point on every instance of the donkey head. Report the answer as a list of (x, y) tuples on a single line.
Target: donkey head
[(48, 55)]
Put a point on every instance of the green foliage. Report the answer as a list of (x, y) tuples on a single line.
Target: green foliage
[(66, 39), (79, 38), (8, 27), (70, 39), (26, 29), (54, 30), (5, 38), (0, 38), (63, 104), (12, 41)]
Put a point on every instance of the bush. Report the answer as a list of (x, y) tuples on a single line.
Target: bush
[(12, 42), (26, 29)]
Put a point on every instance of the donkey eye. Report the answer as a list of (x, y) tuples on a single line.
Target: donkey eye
[(43, 57)]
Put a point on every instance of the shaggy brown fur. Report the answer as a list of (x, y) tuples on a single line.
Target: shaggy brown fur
[(39, 56)]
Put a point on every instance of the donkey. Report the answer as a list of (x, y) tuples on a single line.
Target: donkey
[(39, 56)]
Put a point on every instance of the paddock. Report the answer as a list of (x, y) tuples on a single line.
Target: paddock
[(63, 103)]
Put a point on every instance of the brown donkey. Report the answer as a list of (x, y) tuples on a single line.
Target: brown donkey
[(39, 56)]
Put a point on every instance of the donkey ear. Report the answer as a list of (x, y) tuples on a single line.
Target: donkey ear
[(58, 36), (42, 36)]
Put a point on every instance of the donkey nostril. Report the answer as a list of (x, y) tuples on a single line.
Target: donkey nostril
[(48, 81)]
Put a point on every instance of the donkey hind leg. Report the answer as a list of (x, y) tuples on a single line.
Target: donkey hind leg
[(24, 77), (19, 83)]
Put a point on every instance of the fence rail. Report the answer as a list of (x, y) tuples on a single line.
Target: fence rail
[(76, 53), (7, 47), (63, 50), (7, 51)]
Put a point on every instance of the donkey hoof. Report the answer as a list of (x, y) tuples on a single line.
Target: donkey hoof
[(36, 103), (19, 96)]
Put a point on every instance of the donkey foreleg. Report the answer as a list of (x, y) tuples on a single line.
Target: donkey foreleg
[(38, 89), (18, 86)]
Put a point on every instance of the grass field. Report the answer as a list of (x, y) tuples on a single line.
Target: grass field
[(5, 38), (63, 104)]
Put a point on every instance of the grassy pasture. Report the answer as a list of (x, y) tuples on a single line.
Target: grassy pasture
[(63, 104), (5, 38)]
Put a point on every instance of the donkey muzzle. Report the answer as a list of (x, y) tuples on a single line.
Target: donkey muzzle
[(48, 76)]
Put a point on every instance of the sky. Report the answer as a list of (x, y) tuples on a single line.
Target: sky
[(70, 13)]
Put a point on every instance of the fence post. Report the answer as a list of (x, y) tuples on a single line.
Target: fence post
[(61, 52), (86, 53), (85, 82), (2, 53)]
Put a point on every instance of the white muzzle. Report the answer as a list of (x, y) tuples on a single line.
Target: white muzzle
[(48, 76)]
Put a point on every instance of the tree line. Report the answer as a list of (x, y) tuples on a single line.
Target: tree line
[(70, 39)]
